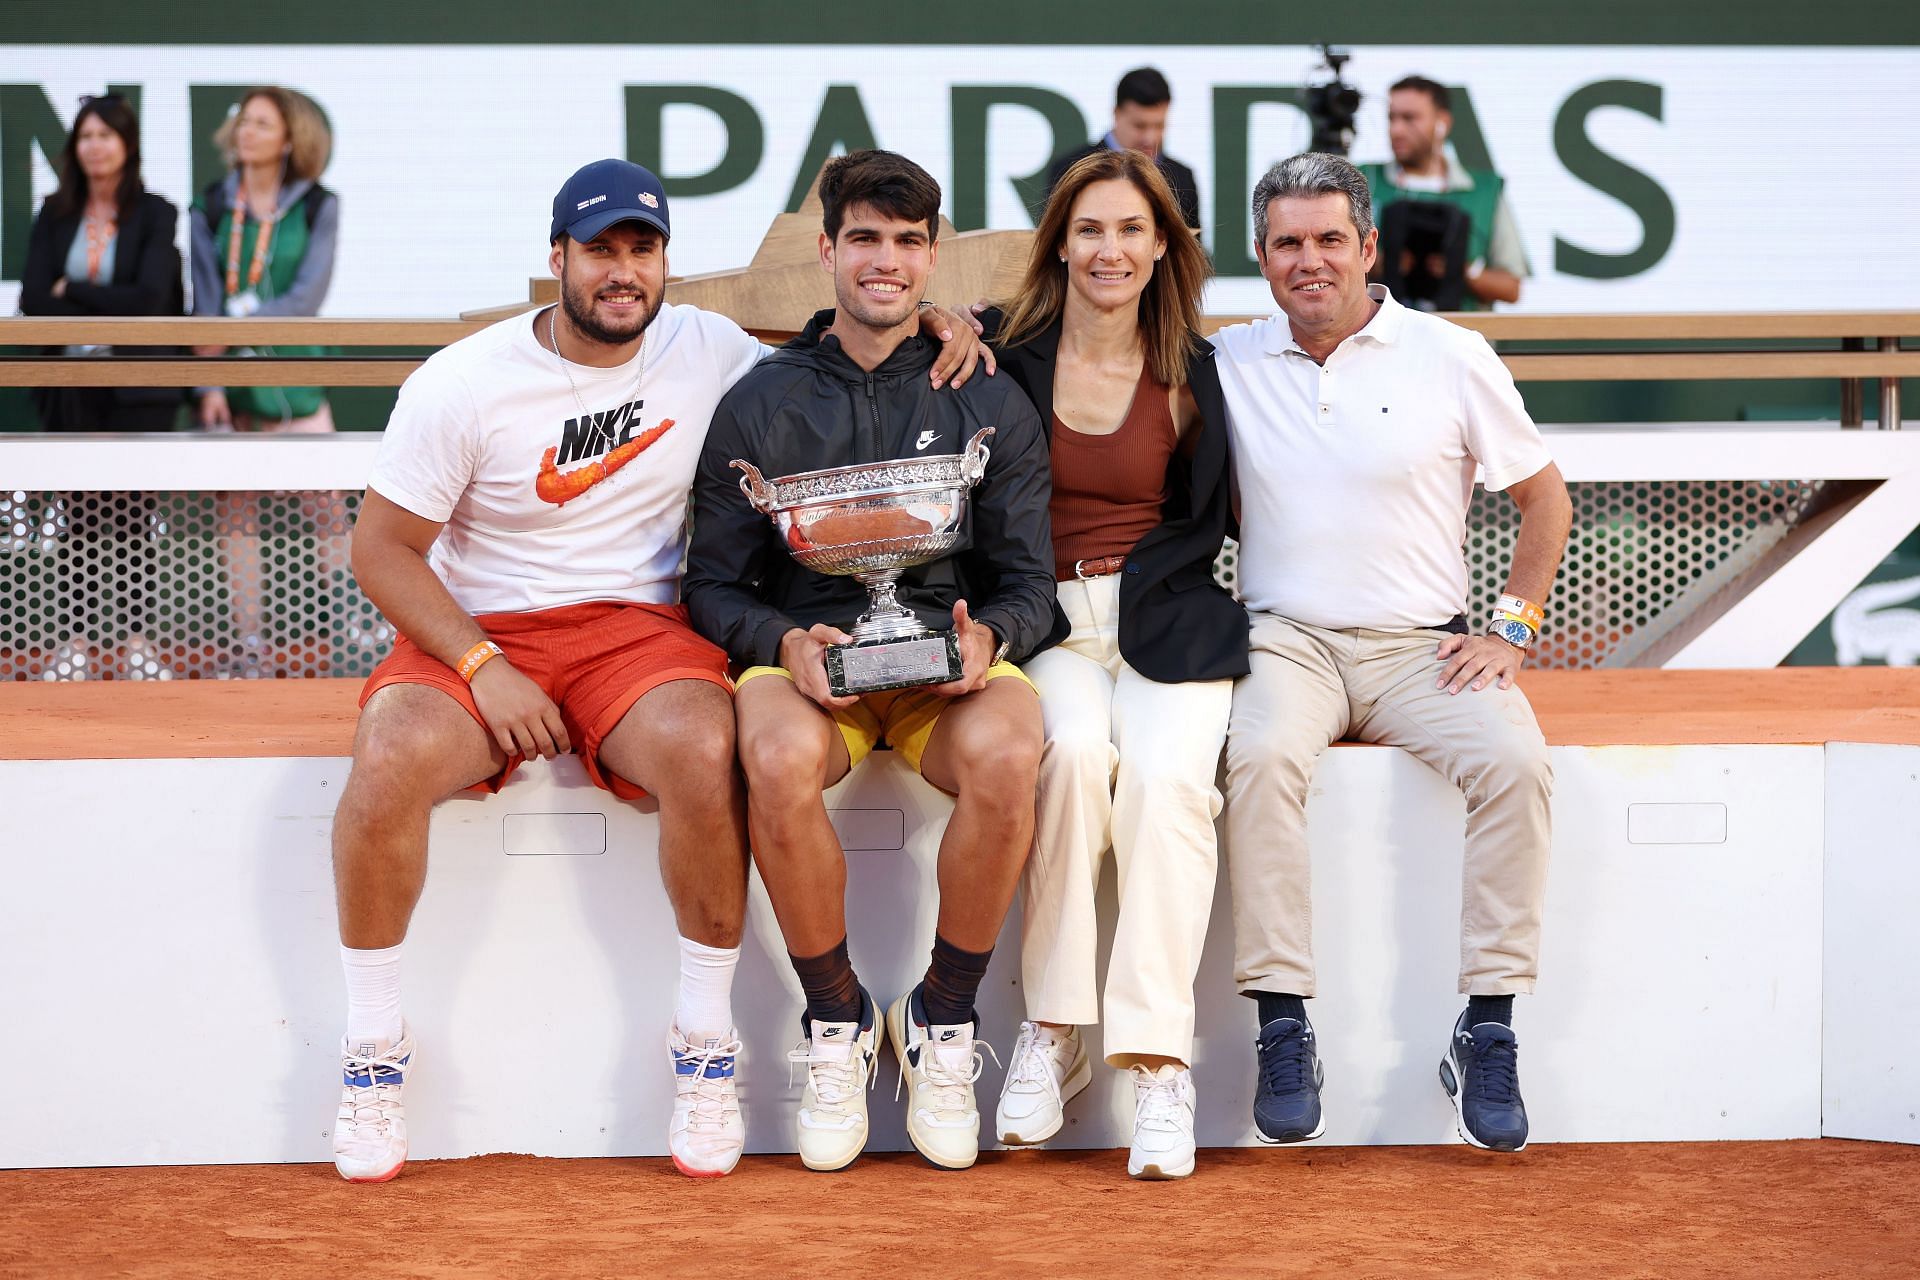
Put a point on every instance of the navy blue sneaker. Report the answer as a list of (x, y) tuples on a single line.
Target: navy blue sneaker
[(1481, 1073), (1287, 1106)]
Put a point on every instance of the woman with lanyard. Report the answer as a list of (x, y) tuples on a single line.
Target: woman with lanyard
[(263, 244), (1103, 337), (103, 246)]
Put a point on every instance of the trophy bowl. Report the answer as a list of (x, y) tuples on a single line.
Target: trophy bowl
[(870, 522)]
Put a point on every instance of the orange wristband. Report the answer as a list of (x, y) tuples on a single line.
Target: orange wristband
[(477, 657), (1525, 610)]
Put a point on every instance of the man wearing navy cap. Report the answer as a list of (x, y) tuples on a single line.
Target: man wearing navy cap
[(529, 557)]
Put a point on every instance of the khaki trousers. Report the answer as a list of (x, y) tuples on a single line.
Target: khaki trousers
[(1310, 687), (1130, 765)]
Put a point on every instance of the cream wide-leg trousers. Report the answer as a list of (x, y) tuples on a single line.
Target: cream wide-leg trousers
[(1129, 765), (1310, 687)]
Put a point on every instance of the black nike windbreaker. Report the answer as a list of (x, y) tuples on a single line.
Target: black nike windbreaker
[(809, 406)]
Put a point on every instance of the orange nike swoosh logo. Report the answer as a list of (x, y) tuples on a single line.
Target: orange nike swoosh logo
[(561, 487)]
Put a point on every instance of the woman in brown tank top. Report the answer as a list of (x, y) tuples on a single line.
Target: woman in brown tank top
[(1102, 336)]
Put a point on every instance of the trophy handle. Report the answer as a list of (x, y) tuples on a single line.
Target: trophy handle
[(755, 486), (973, 463)]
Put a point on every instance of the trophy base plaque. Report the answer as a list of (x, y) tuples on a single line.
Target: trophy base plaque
[(875, 666)]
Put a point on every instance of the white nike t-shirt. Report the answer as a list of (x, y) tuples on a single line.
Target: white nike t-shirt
[(545, 505)]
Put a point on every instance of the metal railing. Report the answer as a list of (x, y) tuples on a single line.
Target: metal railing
[(1855, 348)]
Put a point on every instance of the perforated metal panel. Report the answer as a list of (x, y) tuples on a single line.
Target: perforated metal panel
[(1636, 550), (255, 585), (163, 586)]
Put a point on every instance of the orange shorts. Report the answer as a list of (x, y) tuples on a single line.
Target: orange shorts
[(594, 660)]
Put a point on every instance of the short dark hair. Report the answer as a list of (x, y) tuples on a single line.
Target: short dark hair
[(883, 180), (1144, 86), (1432, 88)]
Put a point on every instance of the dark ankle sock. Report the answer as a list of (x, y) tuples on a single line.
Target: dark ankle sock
[(833, 992), (1280, 1005), (953, 979), (1489, 1009)]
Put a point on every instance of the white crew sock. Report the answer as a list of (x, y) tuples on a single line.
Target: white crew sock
[(704, 1010), (373, 994)]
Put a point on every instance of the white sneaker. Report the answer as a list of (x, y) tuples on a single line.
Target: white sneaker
[(832, 1124), (370, 1133), (1162, 1123), (1047, 1069), (707, 1132), (939, 1064)]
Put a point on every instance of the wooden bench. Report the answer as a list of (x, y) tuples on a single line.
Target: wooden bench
[(222, 719)]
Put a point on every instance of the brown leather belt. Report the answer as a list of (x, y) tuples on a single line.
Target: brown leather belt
[(1098, 567)]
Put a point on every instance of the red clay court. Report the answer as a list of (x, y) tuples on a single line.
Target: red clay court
[(1815, 1208)]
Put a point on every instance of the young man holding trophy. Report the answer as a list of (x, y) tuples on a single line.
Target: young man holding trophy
[(937, 501)]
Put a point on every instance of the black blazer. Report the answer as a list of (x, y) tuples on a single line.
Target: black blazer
[(146, 266), (1185, 190), (1176, 623)]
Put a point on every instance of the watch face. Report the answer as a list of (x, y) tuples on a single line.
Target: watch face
[(1514, 633)]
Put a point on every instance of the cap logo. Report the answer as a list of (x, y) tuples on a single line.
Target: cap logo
[(586, 204), (646, 198)]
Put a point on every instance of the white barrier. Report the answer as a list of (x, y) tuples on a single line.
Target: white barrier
[(174, 993)]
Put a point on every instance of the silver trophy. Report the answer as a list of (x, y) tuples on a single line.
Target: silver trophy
[(871, 522)]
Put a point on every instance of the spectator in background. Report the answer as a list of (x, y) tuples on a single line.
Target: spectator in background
[(1140, 124), (103, 246), (1419, 117), (263, 242)]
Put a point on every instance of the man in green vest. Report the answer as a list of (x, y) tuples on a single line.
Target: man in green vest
[(1419, 116)]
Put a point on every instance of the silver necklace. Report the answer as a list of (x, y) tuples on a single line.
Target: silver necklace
[(553, 338)]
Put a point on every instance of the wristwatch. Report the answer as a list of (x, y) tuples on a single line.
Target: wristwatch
[(999, 654), (1513, 631)]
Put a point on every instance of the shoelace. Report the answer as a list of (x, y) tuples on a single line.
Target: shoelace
[(372, 1104), (947, 1084), (1286, 1064), (836, 1082), (1155, 1101), (1496, 1072), (714, 1101), (1032, 1063)]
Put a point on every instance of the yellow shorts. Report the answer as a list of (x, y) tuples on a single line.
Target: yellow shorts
[(902, 718)]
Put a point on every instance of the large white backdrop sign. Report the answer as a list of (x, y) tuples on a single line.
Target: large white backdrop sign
[(1789, 179)]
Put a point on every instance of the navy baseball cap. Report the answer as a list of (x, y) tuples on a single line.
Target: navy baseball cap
[(606, 192)]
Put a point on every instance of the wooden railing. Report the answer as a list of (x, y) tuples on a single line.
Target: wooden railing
[(1855, 348)]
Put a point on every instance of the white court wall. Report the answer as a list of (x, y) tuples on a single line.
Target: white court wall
[(168, 929), (1871, 1073)]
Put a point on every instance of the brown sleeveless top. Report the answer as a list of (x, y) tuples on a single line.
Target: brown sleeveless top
[(1108, 490)]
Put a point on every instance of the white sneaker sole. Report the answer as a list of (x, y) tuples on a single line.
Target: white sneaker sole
[(826, 1167), (1078, 1078), (1155, 1171)]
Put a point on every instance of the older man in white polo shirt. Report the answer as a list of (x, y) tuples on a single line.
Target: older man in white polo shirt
[(1357, 426)]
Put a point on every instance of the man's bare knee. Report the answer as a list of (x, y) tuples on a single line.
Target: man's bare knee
[(782, 762), (415, 744)]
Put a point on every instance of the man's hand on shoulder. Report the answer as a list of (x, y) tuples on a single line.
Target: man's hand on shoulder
[(1479, 660), (977, 645), (804, 655), (521, 717)]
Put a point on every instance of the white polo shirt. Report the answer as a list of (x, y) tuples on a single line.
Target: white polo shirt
[(1355, 476)]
